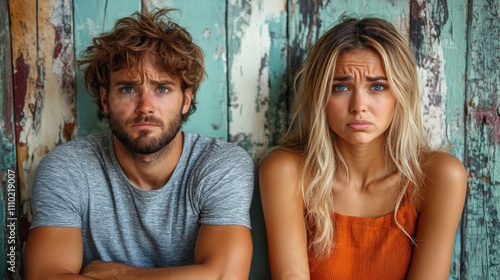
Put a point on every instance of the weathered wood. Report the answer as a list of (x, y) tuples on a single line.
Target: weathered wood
[(438, 33), (10, 260), (42, 48), (481, 225), (257, 72), (205, 21), (91, 19)]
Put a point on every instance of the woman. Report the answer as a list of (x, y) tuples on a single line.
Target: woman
[(354, 191)]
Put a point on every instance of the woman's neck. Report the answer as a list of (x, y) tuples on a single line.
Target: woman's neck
[(366, 163)]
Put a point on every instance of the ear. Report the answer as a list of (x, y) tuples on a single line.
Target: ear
[(104, 99), (188, 95)]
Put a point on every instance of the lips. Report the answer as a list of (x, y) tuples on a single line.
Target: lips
[(148, 121), (359, 124), (145, 124)]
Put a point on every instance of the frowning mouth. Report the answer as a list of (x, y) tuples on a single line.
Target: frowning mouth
[(359, 124), (148, 121), (145, 124)]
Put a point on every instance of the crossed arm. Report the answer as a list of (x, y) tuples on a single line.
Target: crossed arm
[(221, 252)]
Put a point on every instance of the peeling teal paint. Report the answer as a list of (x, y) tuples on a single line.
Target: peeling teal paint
[(482, 143), (278, 101), (243, 140)]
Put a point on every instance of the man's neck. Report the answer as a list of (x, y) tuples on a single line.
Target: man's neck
[(149, 172)]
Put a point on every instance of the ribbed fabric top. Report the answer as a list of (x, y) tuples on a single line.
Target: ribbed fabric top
[(368, 248)]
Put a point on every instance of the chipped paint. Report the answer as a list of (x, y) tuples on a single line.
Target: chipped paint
[(44, 87), (482, 210), (7, 140), (490, 119), (21, 74), (249, 71), (425, 35), (431, 77)]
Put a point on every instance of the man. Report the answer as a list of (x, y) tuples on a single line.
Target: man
[(146, 201)]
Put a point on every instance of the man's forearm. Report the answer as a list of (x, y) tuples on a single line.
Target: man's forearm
[(108, 270)]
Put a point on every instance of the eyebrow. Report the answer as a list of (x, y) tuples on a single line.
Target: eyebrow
[(349, 78), (138, 82)]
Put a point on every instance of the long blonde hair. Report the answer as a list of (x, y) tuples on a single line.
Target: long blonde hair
[(311, 138)]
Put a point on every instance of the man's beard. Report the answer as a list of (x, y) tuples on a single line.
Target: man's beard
[(143, 144)]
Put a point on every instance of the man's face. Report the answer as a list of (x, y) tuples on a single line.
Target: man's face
[(145, 116)]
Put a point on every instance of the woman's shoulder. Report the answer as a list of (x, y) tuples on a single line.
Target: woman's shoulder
[(441, 165), (280, 162), (444, 176), (280, 169)]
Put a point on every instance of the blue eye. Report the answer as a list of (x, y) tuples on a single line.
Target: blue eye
[(163, 90), (340, 88), (127, 90), (378, 87)]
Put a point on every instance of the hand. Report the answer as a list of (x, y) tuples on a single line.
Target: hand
[(107, 270)]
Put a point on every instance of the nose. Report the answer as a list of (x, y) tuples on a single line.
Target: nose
[(358, 102), (145, 105)]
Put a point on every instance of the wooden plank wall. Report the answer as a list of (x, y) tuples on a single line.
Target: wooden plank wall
[(252, 49), (8, 172), (481, 228)]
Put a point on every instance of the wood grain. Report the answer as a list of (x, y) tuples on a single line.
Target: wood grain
[(9, 269), (481, 228)]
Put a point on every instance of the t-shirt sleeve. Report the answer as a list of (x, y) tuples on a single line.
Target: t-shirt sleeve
[(57, 198), (225, 189)]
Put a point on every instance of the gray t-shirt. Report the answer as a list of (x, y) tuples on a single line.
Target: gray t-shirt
[(80, 184)]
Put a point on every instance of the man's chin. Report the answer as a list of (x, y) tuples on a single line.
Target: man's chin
[(145, 147)]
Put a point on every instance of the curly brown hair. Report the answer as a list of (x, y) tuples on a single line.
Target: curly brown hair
[(132, 38)]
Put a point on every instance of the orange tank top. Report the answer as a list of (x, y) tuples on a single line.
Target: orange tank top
[(368, 248)]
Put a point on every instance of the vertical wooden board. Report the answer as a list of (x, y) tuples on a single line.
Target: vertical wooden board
[(7, 155), (92, 18), (43, 87), (438, 34), (277, 115), (308, 20), (23, 42), (257, 72), (205, 21), (24, 38), (430, 30), (482, 215)]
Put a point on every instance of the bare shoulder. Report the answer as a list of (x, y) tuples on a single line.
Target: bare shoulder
[(439, 166), (445, 176), (279, 174), (280, 162)]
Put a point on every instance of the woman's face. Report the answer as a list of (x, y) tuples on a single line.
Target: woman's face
[(361, 104)]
